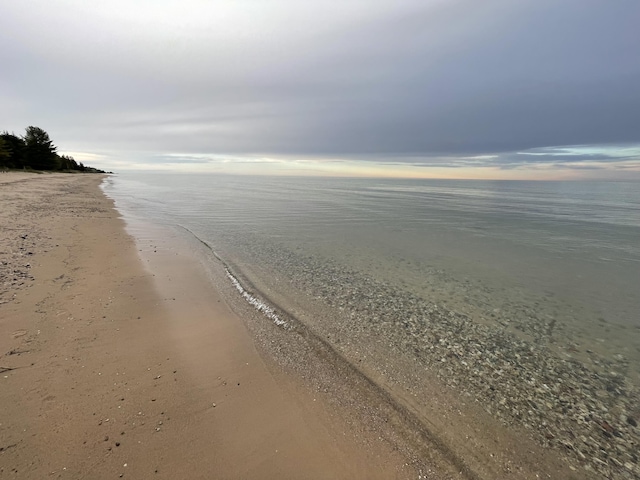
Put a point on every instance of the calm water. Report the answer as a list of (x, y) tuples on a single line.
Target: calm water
[(551, 269), (569, 249)]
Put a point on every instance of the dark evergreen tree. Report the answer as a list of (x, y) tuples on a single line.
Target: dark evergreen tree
[(67, 162), (15, 146), (36, 150), (5, 154), (40, 152)]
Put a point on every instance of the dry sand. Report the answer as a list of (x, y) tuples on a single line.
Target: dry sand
[(118, 365)]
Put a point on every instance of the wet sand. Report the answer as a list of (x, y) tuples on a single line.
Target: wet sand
[(123, 361)]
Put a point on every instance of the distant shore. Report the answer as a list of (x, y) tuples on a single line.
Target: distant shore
[(120, 360)]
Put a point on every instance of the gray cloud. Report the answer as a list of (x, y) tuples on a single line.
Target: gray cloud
[(368, 80)]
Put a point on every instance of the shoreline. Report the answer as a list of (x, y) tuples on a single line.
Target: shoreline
[(434, 427), (392, 396), (114, 369), (457, 366)]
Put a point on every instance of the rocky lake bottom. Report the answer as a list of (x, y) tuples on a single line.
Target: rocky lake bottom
[(524, 370)]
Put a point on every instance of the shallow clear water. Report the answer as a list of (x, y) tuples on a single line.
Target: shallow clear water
[(543, 275), (576, 241), (569, 249)]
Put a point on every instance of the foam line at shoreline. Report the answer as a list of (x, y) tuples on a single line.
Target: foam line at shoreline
[(258, 304), (262, 306)]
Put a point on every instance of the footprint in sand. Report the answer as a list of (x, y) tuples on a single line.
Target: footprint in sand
[(19, 333)]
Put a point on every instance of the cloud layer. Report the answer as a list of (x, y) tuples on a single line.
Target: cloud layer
[(359, 80)]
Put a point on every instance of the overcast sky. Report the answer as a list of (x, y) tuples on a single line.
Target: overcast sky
[(505, 89)]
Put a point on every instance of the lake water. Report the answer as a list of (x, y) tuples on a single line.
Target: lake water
[(522, 294)]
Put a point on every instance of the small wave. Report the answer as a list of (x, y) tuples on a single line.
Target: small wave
[(258, 304)]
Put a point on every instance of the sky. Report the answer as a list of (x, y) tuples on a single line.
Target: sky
[(530, 89)]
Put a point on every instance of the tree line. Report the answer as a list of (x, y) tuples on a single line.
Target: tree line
[(35, 151)]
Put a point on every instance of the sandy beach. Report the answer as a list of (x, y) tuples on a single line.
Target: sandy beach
[(127, 352), (120, 360)]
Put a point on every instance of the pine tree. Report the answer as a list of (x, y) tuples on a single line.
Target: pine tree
[(5, 154), (40, 152), (15, 146)]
